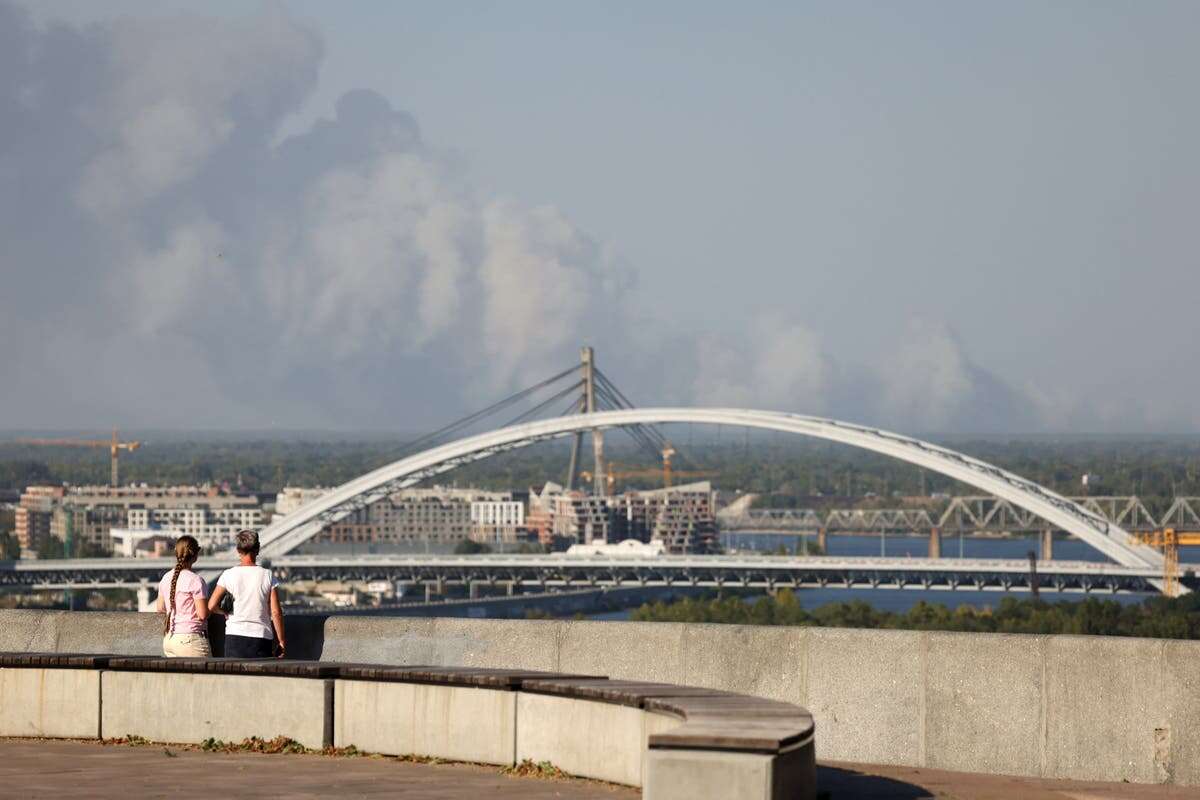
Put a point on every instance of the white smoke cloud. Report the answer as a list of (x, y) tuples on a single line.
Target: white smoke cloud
[(779, 365), (162, 242), (350, 251)]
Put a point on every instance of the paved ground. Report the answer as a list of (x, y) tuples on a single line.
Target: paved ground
[(70, 769), (875, 782)]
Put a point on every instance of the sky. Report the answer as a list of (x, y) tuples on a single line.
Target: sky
[(930, 216)]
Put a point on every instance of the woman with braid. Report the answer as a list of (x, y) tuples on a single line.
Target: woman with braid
[(181, 596)]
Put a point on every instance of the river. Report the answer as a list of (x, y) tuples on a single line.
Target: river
[(1065, 549)]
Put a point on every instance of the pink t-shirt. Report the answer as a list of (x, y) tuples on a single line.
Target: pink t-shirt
[(189, 590)]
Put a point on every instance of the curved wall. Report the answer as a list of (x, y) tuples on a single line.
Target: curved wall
[(1089, 708), (675, 742)]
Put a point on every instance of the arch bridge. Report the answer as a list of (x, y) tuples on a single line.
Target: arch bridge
[(286, 534)]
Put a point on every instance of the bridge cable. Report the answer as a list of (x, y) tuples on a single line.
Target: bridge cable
[(478, 415), (636, 432), (542, 406), (657, 440)]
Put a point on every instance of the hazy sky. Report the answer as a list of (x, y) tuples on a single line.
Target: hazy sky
[(931, 216)]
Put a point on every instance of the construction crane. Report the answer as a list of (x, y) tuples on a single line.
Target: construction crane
[(614, 472), (1169, 541), (115, 447)]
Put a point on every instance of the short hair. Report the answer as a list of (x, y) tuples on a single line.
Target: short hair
[(247, 542)]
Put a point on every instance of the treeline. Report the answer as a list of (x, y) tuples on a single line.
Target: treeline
[(1156, 617), (786, 470)]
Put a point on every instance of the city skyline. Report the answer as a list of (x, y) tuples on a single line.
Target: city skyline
[(938, 218)]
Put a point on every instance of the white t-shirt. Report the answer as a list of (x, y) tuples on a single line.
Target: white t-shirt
[(251, 590)]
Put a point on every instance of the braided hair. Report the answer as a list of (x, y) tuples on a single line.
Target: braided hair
[(187, 550)]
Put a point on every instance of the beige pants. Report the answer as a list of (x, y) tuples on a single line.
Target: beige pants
[(179, 645)]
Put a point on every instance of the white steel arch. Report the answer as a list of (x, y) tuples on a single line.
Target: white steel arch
[(285, 534)]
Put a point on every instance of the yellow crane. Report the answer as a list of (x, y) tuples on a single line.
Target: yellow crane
[(616, 471), (115, 447), (1169, 541)]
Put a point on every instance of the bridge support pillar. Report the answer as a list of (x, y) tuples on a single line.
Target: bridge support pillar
[(474, 590), (145, 601), (1047, 544), (821, 541), (935, 543), (429, 593)]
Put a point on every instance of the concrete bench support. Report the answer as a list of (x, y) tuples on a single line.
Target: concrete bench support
[(583, 737), (183, 707), (684, 774), (459, 723), (55, 703)]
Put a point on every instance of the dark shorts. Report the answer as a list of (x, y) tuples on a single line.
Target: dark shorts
[(248, 647)]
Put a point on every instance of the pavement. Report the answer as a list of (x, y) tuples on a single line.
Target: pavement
[(59, 769), (876, 782), (62, 769)]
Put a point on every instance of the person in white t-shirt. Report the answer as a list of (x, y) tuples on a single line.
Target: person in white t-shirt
[(255, 627)]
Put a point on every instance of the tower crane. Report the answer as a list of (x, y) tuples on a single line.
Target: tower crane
[(615, 471), (115, 447)]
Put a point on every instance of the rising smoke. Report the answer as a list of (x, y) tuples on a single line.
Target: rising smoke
[(168, 261)]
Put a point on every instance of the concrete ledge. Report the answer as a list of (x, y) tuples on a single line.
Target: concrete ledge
[(55, 703), (182, 707)]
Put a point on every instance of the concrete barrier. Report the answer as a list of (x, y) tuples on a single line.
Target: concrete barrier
[(1092, 708), (638, 734)]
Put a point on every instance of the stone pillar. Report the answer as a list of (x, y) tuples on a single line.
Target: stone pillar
[(935, 543), (821, 540), (429, 593), (145, 601), (1047, 544), (510, 588), (474, 590)]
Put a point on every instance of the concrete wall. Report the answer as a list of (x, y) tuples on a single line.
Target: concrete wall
[(55, 703), (458, 723), (180, 707), (1097, 708)]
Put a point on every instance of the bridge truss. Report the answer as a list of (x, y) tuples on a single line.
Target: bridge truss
[(559, 571), (967, 514)]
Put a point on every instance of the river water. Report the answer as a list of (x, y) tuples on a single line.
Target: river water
[(899, 600)]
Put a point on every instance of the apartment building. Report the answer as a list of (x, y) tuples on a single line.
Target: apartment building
[(87, 514), (681, 518), (434, 518), (35, 507), (498, 521)]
